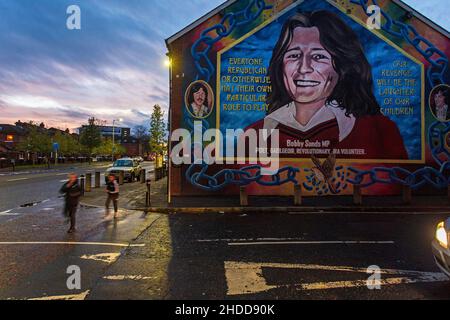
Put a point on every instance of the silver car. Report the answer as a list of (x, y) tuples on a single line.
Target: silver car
[(131, 169), (441, 250)]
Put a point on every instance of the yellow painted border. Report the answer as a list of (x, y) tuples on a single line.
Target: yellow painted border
[(301, 160)]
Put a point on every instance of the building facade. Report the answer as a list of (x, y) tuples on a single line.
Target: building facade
[(120, 133), (347, 101)]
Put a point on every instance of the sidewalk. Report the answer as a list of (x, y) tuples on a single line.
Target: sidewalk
[(132, 197)]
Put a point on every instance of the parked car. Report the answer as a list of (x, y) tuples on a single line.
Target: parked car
[(97, 159), (61, 159), (441, 250), (139, 159), (130, 167)]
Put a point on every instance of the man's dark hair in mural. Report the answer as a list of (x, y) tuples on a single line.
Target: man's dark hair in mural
[(354, 89), (198, 99), (440, 103), (445, 91), (322, 91)]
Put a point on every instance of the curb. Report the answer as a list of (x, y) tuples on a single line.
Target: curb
[(299, 210), (84, 204)]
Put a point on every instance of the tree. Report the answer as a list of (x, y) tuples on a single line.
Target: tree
[(105, 148), (36, 142), (90, 135), (141, 134), (157, 131), (68, 144)]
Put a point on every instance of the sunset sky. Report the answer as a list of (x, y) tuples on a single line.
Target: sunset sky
[(112, 68)]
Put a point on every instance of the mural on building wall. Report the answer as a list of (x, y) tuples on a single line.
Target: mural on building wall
[(353, 105), (324, 95)]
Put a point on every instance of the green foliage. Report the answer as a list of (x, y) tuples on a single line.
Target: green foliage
[(106, 148), (68, 144), (36, 142), (158, 143), (90, 136)]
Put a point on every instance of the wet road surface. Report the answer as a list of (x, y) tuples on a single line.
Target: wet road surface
[(218, 256)]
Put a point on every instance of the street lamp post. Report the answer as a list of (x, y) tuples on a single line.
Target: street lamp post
[(169, 64), (114, 136)]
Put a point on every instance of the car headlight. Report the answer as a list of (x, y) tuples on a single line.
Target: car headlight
[(441, 235)]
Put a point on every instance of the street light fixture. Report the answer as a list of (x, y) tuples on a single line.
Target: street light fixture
[(167, 62), (114, 135)]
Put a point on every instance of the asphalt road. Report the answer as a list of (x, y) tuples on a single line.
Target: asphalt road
[(280, 256), (32, 186), (219, 256), (36, 252), (312, 256)]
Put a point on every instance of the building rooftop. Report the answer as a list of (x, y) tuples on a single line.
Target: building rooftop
[(207, 16)]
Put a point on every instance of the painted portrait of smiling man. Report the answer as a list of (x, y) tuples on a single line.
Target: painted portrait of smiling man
[(322, 90), (199, 99)]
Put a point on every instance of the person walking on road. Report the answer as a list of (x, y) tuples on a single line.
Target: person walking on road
[(72, 191), (47, 162), (112, 189)]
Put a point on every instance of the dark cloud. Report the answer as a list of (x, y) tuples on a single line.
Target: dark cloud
[(141, 114), (155, 97), (73, 113)]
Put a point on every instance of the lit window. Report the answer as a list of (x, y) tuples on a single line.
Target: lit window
[(9, 137)]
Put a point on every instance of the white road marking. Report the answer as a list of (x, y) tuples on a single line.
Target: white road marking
[(247, 277), (261, 243), (62, 181), (71, 243), (80, 296), (18, 179), (13, 173), (297, 240), (249, 239), (103, 257), (128, 277), (9, 213), (432, 277)]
